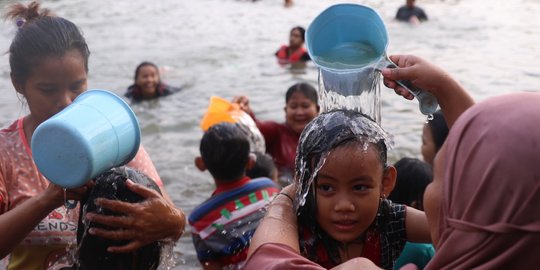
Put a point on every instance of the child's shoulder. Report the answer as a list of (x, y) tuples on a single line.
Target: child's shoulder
[(262, 189)]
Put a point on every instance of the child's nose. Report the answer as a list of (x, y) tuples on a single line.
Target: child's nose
[(344, 204)]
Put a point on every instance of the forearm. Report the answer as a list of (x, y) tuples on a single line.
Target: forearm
[(453, 99), (26, 216), (278, 226)]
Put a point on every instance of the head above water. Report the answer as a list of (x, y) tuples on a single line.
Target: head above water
[(225, 152), (301, 106), (41, 35), (147, 79), (297, 37)]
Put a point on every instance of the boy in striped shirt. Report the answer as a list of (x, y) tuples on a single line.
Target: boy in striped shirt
[(222, 226)]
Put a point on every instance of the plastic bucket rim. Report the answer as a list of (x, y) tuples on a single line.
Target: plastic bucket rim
[(384, 30)]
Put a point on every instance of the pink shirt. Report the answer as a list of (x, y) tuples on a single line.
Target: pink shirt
[(20, 180)]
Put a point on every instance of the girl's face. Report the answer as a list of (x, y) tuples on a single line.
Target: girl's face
[(148, 80), (348, 188), (433, 195), (296, 39), (54, 84), (299, 111), (428, 145)]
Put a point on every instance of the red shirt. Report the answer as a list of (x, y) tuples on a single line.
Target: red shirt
[(281, 142)]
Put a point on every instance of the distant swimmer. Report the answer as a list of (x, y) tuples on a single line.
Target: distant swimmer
[(295, 52), (148, 84), (411, 13)]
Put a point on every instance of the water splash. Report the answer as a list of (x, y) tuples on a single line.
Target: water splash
[(349, 79)]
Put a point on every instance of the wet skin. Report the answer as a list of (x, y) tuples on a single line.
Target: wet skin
[(349, 186)]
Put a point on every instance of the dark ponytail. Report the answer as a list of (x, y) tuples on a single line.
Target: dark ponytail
[(40, 34)]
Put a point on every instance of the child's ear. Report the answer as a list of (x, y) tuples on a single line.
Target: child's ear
[(318, 108), (388, 180), (251, 161), (199, 163)]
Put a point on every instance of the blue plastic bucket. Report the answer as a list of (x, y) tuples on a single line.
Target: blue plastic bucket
[(95, 133), (346, 37), (348, 43)]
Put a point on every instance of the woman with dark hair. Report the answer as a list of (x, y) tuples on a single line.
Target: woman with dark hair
[(301, 106), (49, 68), (148, 84), (295, 51)]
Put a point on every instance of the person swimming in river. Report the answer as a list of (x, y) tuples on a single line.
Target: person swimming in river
[(295, 51), (148, 84), (411, 13)]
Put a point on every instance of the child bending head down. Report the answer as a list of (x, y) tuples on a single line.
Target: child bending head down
[(342, 172)]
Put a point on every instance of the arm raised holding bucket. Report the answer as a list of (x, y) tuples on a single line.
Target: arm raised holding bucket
[(452, 97)]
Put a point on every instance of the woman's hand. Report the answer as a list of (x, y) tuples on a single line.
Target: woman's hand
[(452, 97), (420, 72), (142, 223), (55, 196), (243, 103)]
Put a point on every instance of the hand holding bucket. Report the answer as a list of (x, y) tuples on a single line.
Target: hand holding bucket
[(95, 133), (350, 41)]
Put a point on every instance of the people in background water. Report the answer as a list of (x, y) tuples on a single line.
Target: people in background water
[(295, 51), (222, 226), (301, 106), (411, 13), (413, 176), (48, 59), (148, 84), (433, 135)]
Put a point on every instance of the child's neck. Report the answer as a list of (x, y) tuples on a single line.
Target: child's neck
[(350, 250)]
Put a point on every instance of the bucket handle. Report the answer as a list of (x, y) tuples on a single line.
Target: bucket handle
[(427, 102)]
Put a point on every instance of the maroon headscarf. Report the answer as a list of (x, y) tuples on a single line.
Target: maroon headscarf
[(490, 207)]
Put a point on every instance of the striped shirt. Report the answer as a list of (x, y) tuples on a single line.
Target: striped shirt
[(223, 225)]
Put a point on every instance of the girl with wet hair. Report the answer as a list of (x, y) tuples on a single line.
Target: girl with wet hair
[(283, 236), (339, 194), (342, 172), (147, 84), (49, 68)]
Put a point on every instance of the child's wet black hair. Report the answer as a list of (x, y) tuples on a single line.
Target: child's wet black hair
[(92, 250), (225, 151), (41, 35), (413, 176), (264, 166), (325, 133), (306, 89), (439, 129)]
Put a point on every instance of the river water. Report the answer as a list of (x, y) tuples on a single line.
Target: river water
[(225, 48)]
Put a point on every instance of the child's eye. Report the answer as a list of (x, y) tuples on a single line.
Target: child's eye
[(360, 187), (325, 188)]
